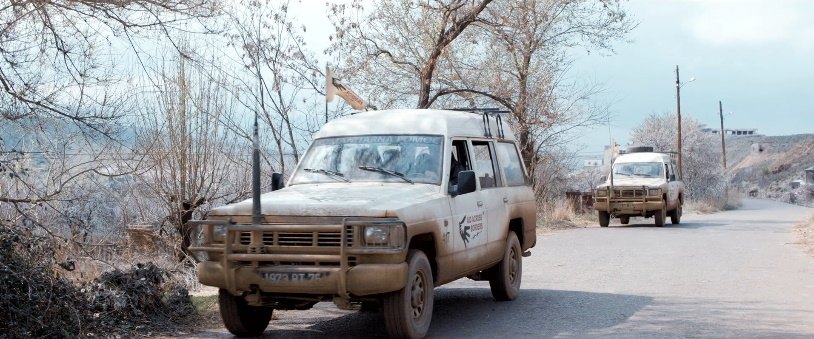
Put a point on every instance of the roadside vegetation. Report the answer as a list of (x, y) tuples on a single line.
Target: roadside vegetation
[(805, 231)]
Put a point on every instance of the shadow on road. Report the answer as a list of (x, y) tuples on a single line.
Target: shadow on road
[(471, 312)]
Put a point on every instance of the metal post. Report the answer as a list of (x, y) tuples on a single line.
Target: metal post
[(723, 145), (678, 110), (256, 210)]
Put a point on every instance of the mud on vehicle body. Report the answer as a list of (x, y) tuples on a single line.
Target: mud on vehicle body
[(382, 208), (641, 184)]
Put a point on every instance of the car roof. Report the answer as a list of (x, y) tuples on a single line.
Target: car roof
[(415, 121), (643, 157)]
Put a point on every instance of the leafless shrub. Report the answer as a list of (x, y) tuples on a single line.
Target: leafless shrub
[(38, 301)]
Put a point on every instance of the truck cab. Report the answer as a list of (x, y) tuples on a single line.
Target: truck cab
[(383, 207)]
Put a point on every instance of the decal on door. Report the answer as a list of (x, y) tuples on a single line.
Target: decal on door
[(470, 227)]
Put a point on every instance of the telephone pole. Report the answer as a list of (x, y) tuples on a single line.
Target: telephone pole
[(723, 145), (678, 110)]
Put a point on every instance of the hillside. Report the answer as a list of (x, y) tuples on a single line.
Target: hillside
[(769, 163)]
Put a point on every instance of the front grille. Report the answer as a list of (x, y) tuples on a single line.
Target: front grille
[(299, 239), (629, 193)]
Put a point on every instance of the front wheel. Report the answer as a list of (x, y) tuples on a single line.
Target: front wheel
[(604, 218), (675, 215), (506, 275), (408, 312), (660, 216), (241, 319)]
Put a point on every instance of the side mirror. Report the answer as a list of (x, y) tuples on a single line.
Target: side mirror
[(466, 182), (277, 181), (672, 177)]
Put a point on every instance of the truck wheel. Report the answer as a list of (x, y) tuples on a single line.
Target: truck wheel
[(408, 312), (604, 218), (241, 319), (675, 215), (660, 216), (506, 275), (624, 220)]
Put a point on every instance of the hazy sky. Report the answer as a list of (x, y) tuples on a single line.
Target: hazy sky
[(755, 56)]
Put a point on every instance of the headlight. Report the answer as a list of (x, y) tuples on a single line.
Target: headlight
[(384, 236), (653, 191), (218, 233), (601, 192)]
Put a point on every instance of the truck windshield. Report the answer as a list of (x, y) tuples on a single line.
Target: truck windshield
[(381, 158), (638, 169)]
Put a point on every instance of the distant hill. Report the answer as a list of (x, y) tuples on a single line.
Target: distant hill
[(768, 163)]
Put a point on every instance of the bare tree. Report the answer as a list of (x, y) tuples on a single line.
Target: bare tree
[(192, 160), (281, 76), (703, 173), (399, 46), (62, 91)]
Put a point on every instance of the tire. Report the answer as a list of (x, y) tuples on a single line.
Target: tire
[(505, 277), (408, 312), (241, 319), (660, 216), (624, 220), (675, 215), (604, 218)]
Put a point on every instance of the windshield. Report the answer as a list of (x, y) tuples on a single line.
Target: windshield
[(639, 169), (383, 158)]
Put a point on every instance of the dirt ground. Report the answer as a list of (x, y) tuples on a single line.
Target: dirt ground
[(805, 231)]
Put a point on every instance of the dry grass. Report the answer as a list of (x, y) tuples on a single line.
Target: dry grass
[(805, 231), (562, 215), (730, 201)]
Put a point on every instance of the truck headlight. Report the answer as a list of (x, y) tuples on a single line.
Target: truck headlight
[(601, 193), (218, 233), (384, 235), (653, 191)]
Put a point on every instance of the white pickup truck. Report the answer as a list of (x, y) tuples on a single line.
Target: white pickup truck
[(641, 184)]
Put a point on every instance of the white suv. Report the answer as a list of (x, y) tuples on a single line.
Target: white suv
[(383, 207)]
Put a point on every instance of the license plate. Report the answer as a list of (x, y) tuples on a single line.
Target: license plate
[(294, 276)]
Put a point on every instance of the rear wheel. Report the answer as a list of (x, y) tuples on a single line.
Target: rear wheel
[(604, 218), (241, 319), (624, 220), (675, 215), (660, 216), (408, 312), (505, 277)]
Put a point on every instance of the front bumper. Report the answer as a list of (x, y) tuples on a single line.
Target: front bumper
[(359, 280), (628, 200), (300, 258)]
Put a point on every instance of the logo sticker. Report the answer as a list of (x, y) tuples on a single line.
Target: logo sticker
[(470, 227)]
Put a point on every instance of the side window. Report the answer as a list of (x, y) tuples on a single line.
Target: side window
[(510, 163), (459, 161), (485, 168)]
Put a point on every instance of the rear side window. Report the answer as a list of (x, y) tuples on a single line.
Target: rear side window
[(485, 168), (510, 164)]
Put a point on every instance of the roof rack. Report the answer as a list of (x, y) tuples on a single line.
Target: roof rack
[(485, 114)]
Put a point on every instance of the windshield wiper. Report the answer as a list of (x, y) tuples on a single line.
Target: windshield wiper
[(332, 174), (385, 171)]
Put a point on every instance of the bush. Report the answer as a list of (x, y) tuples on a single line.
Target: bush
[(38, 302)]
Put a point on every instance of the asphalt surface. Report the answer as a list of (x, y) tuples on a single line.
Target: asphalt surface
[(730, 274)]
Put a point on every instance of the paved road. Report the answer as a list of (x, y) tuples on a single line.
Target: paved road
[(731, 274)]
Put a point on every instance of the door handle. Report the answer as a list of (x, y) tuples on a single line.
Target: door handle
[(480, 203), (505, 200)]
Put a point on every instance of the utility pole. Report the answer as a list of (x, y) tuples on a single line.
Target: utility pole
[(678, 110), (723, 145)]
